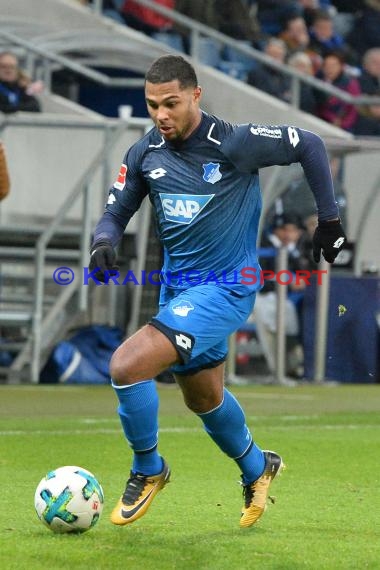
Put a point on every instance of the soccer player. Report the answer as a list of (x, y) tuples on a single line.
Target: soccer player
[(201, 176)]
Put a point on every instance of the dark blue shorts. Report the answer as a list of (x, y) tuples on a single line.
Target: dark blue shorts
[(199, 321)]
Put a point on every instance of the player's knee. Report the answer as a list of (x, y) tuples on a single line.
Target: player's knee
[(201, 404), (121, 370)]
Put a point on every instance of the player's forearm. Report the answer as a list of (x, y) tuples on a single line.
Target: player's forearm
[(315, 163), (109, 228)]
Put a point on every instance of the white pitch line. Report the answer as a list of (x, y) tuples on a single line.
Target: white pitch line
[(275, 396), (183, 430), (99, 421), (98, 431), (290, 418)]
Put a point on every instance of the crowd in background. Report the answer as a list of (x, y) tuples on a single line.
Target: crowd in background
[(336, 41)]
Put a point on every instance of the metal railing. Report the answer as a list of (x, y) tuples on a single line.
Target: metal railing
[(278, 375), (197, 30), (50, 58), (41, 320)]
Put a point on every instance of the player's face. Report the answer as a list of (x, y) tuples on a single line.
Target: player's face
[(174, 110)]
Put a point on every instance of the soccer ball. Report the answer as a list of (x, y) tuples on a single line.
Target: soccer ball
[(69, 499)]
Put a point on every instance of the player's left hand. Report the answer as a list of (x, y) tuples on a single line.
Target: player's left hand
[(329, 238)]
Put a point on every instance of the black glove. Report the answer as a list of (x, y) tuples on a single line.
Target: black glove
[(329, 238), (103, 259)]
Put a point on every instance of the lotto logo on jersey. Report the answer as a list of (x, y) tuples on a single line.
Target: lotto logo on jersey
[(120, 180), (183, 208)]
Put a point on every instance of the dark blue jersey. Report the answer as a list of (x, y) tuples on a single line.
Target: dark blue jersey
[(205, 192)]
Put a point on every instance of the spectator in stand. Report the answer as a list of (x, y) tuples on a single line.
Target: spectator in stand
[(285, 230), (239, 21), (269, 79), (295, 34), (369, 119), (296, 37), (311, 7), (345, 13), (205, 12), (370, 77), (303, 63), (146, 20), (272, 13), (323, 38), (17, 91), (235, 19), (365, 33), (330, 107)]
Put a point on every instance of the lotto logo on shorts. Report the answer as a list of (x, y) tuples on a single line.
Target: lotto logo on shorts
[(183, 341), (182, 308)]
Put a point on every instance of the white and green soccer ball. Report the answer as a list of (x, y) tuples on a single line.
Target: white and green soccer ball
[(69, 499)]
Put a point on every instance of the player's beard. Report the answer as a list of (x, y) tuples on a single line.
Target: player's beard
[(182, 132)]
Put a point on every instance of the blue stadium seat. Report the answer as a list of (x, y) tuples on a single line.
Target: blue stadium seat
[(114, 15), (209, 52), (235, 56), (174, 41), (235, 69)]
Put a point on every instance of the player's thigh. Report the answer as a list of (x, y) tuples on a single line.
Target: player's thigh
[(202, 391), (142, 356)]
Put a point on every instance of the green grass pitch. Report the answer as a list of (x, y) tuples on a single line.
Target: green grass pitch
[(327, 510)]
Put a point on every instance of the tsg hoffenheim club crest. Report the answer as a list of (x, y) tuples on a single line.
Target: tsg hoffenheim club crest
[(182, 308), (211, 172)]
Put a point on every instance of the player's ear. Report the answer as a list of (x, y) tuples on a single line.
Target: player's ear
[(197, 93)]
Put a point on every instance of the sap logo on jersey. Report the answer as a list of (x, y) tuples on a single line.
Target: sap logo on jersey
[(183, 208), (182, 308)]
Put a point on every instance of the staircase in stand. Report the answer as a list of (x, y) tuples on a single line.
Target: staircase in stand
[(17, 297)]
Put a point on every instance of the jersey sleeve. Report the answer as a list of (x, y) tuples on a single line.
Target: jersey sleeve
[(124, 198), (129, 188), (251, 147)]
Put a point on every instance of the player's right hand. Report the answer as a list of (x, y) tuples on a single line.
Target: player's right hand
[(102, 261)]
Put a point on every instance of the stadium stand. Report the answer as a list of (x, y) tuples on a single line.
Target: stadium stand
[(87, 45)]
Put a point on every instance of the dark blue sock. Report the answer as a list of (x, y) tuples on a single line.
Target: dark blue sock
[(226, 426), (138, 411)]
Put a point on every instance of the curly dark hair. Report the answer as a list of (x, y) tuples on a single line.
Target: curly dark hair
[(170, 68)]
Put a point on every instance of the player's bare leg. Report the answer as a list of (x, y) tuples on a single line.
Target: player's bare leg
[(224, 421), (202, 391), (142, 356), (139, 359)]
